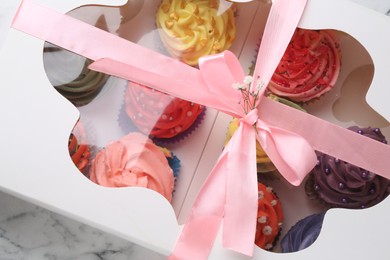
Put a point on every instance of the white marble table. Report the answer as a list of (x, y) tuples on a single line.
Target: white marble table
[(30, 232)]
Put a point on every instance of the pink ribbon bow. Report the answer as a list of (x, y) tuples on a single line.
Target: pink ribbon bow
[(230, 192)]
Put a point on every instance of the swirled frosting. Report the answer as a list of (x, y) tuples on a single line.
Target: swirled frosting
[(82, 90), (78, 147), (79, 153), (344, 185), (133, 161), (302, 234), (269, 218), (309, 67), (158, 114), (192, 29)]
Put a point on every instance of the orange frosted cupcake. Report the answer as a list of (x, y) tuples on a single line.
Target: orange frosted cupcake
[(310, 66), (269, 218)]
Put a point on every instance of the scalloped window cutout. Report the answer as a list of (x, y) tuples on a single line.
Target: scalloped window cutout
[(104, 117)]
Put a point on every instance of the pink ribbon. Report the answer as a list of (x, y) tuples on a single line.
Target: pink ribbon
[(230, 192)]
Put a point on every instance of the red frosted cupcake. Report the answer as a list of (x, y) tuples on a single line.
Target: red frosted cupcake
[(309, 67), (79, 149), (159, 115), (269, 218)]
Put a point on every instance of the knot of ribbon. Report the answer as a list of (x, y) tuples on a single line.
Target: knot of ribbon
[(230, 192), (250, 118)]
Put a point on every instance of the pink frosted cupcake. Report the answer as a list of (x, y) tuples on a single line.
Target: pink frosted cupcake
[(134, 161), (309, 67), (159, 115)]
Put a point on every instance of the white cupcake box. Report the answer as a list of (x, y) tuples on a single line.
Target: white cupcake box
[(36, 122)]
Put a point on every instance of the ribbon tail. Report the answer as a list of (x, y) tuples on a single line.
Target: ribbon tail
[(239, 226), (229, 193), (286, 150), (201, 228)]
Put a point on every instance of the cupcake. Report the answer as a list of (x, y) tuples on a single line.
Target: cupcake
[(85, 87), (159, 115), (134, 161), (192, 29), (269, 218), (310, 66), (264, 163), (340, 184), (59, 66), (79, 149), (302, 234)]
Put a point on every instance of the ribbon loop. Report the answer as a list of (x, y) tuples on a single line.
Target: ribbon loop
[(285, 149)]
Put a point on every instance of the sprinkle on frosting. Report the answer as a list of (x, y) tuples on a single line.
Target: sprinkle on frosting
[(309, 67), (191, 29), (158, 114), (341, 184), (269, 218)]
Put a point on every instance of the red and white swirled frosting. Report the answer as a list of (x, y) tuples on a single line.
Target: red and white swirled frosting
[(158, 114), (309, 67)]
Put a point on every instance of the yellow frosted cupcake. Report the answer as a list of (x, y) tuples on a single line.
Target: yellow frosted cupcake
[(191, 29)]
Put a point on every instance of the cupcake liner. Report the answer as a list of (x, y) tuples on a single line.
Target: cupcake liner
[(303, 234), (175, 164)]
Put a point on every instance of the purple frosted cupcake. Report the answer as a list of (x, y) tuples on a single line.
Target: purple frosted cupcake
[(302, 234), (340, 184)]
